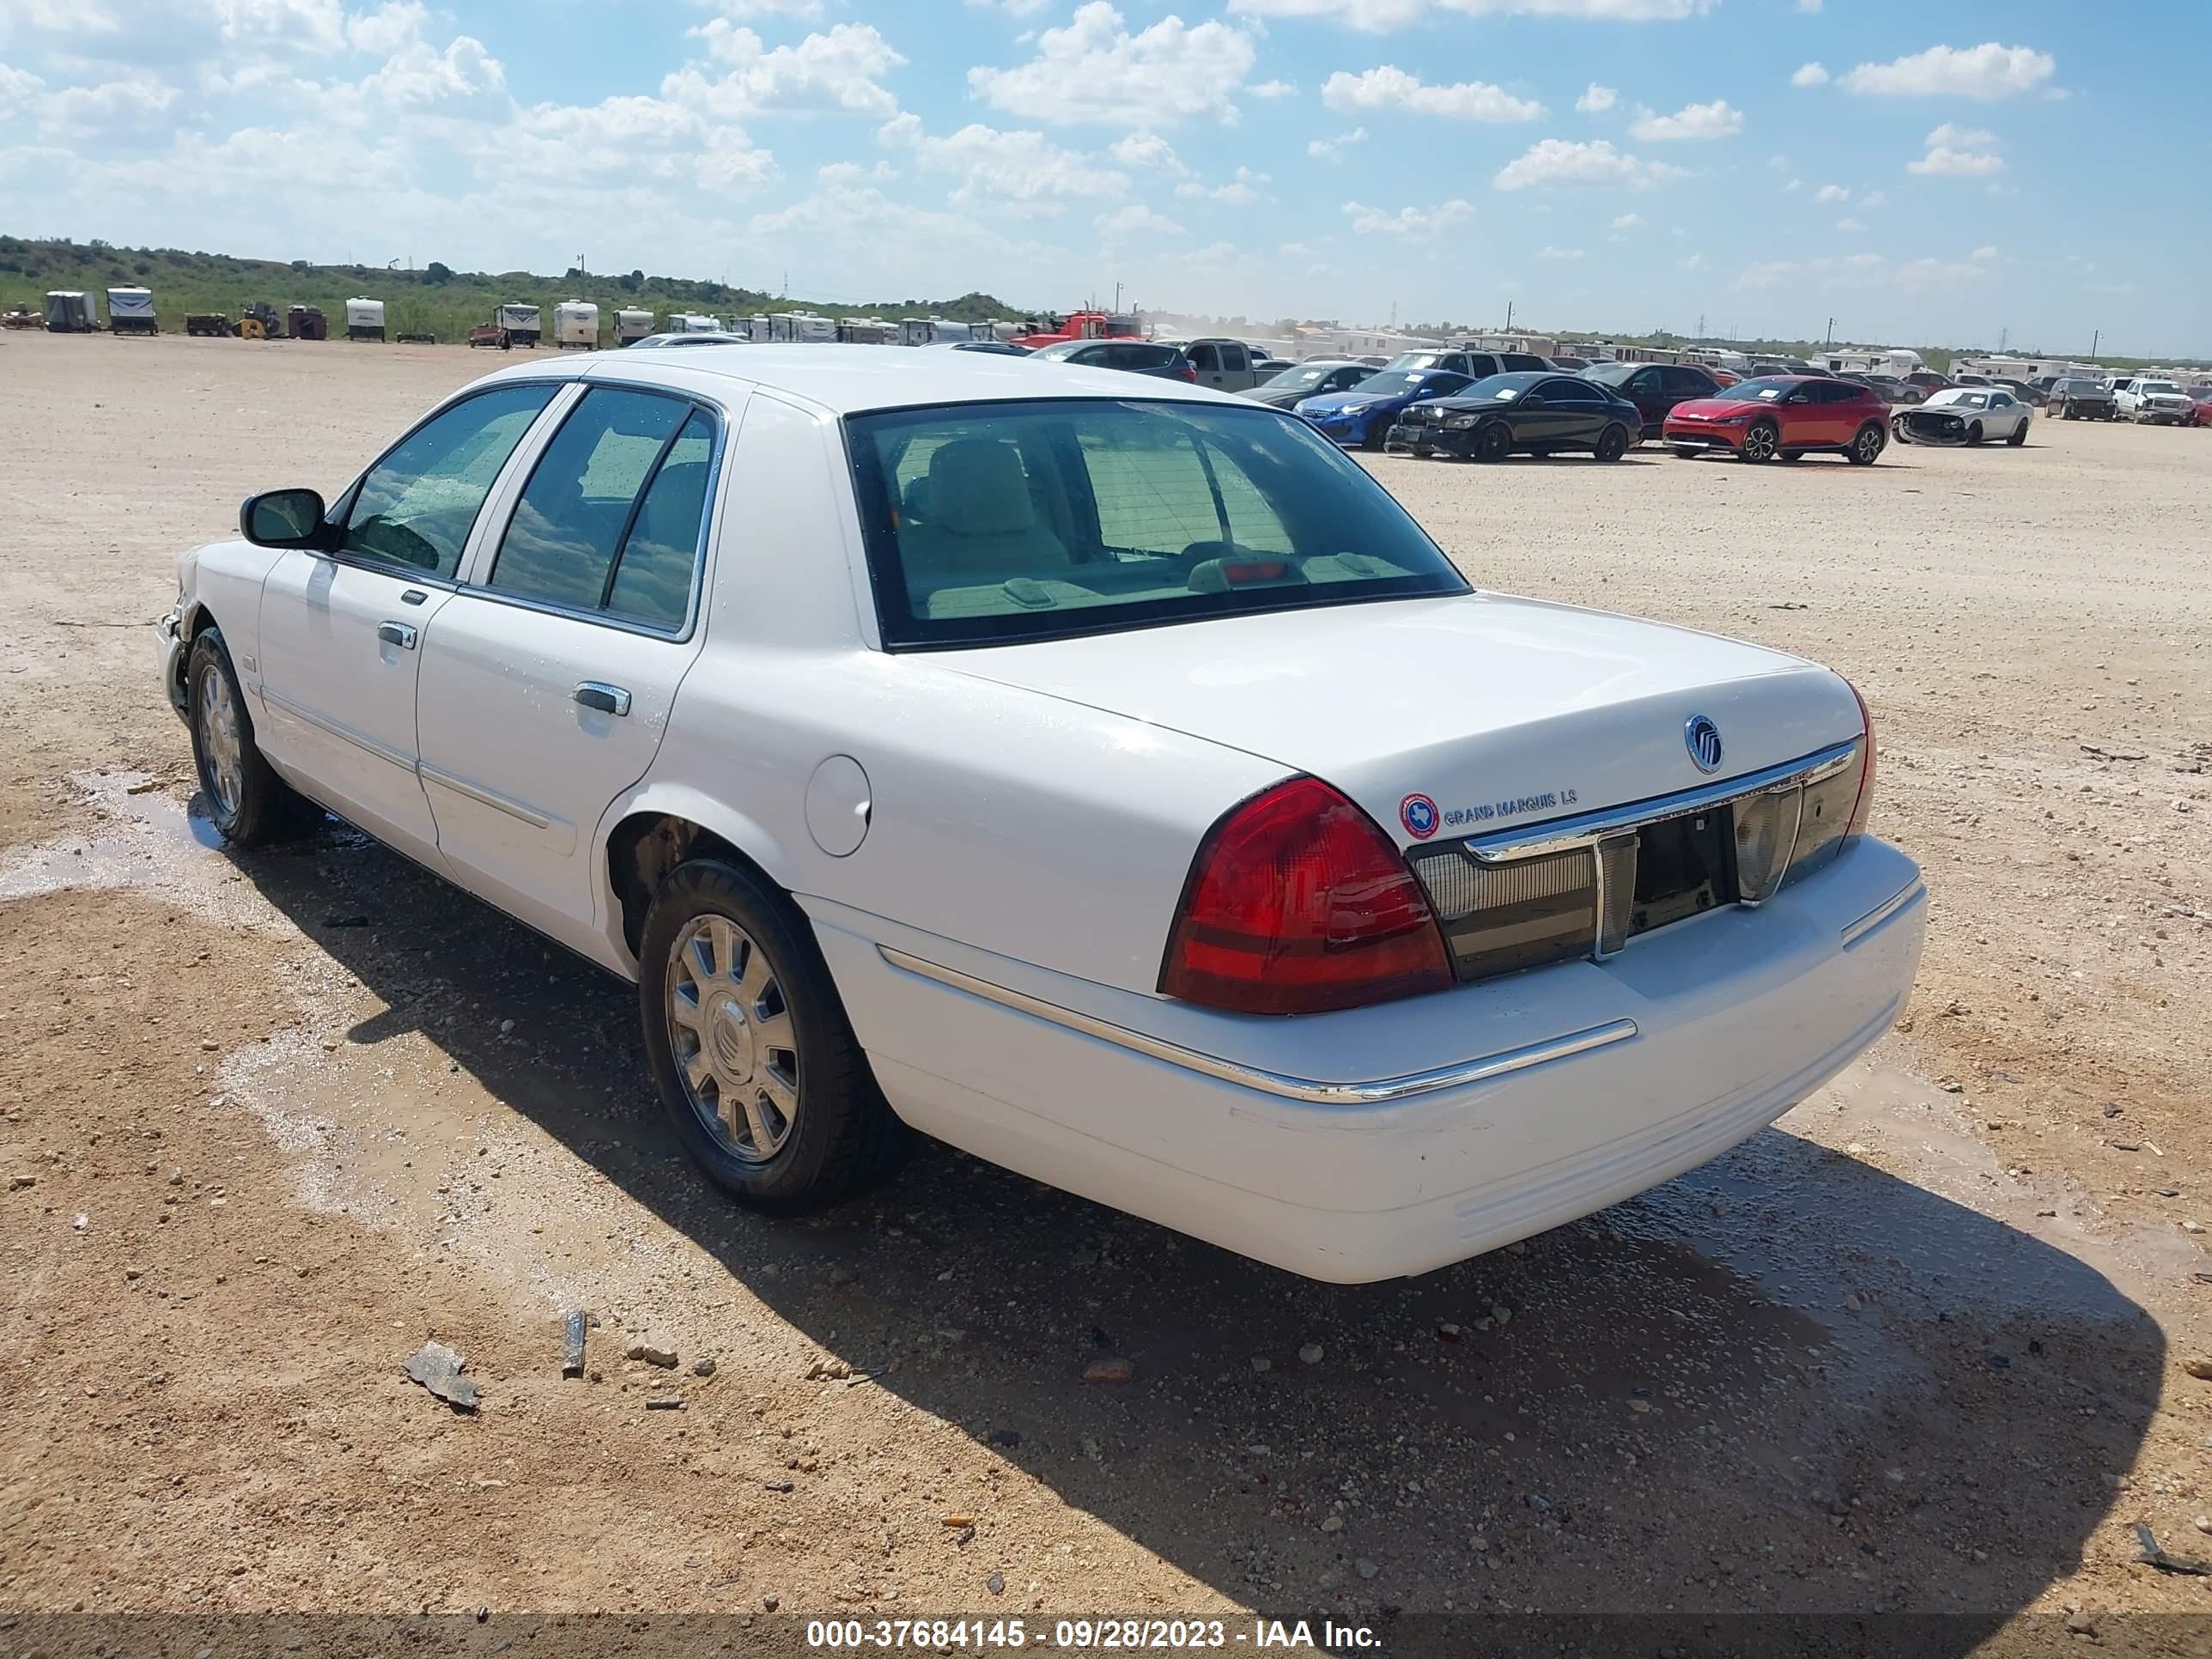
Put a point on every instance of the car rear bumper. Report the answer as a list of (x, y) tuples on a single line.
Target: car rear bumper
[(1445, 1126)]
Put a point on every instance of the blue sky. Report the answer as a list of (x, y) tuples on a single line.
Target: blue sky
[(1920, 173)]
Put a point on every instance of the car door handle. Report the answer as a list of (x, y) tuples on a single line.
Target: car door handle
[(397, 633), (607, 699)]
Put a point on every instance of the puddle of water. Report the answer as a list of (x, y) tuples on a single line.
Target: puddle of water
[(148, 841)]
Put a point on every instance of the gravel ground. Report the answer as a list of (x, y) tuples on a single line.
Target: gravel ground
[(272, 1123)]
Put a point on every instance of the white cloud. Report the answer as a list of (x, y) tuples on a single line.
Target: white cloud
[(1332, 150), (462, 80), (1381, 16), (1812, 8), (1627, 220), (1875, 198), (1409, 221), (1934, 273), (1695, 262), (1550, 252), (1274, 89), (1986, 72), (1849, 227), (1596, 100), (1016, 168), (1094, 70), (1831, 193), (839, 69), (1011, 8), (1794, 186), (1147, 151), (1809, 74), (1243, 190), (1718, 119), (1392, 88), (1136, 219), (1957, 152), (1559, 162), (1985, 252), (1765, 273), (801, 9)]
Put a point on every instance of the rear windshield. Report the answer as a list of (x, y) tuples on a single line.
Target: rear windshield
[(989, 524)]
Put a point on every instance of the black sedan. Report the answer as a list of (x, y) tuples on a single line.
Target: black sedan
[(1654, 388), (1538, 413)]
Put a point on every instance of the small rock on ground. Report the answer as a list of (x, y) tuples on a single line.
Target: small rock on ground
[(1109, 1371), (653, 1350)]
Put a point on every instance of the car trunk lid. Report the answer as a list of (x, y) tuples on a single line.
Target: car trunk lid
[(1456, 716)]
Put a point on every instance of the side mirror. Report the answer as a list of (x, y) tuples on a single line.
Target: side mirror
[(283, 518)]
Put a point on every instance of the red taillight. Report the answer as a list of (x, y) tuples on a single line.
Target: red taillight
[(1296, 903), (1864, 804), (1188, 373)]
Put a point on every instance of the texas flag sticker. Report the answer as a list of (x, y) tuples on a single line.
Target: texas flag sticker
[(1418, 814)]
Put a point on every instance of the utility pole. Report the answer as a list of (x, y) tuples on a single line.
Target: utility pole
[(1508, 316), (1701, 325), (1831, 331), (2004, 339), (2094, 336)]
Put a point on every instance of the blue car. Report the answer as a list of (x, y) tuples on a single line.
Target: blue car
[(1360, 416)]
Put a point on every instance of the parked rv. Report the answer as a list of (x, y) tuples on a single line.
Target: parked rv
[(518, 322), (364, 319), (71, 311), (576, 326), (631, 327), (130, 311)]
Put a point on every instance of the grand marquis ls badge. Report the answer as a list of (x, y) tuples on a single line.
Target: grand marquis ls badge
[(1703, 739)]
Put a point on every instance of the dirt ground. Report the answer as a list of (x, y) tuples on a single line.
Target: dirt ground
[(272, 1122)]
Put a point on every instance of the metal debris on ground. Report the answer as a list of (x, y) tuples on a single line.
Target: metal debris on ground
[(574, 1326), (438, 1369), (664, 1402), (2152, 1555)]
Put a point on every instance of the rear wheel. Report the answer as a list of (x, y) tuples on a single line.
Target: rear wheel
[(245, 799), (1866, 448), (755, 1059), (1493, 442), (1762, 442), (1612, 443)]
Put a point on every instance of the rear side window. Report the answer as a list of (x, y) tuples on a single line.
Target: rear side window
[(992, 523), (417, 506), (610, 519), (1520, 361)]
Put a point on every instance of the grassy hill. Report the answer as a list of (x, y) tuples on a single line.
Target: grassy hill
[(433, 301)]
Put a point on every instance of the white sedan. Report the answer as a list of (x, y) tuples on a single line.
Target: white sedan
[(1965, 414), (1106, 777)]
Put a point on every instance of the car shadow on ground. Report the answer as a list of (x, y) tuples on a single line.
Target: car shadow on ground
[(1786, 1381), (1570, 459)]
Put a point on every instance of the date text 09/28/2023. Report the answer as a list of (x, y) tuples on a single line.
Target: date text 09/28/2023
[(1092, 1635)]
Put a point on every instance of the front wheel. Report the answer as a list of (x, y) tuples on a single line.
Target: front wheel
[(750, 1049), (1762, 442), (1866, 448), (1493, 442), (1612, 443), (1974, 433), (245, 798)]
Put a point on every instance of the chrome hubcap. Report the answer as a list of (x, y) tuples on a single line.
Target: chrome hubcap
[(224, 773), (731, 1035)]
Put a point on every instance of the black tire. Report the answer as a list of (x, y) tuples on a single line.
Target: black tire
[(1612, 444), (842, 1136), (1686, 452), (1762, 441), (1866, 447), (1973, 432), (1793, 455), (1376, 433), (2018, 435), (245, 799), (1494, 442)]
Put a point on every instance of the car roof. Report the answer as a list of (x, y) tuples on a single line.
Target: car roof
[(849, 379)]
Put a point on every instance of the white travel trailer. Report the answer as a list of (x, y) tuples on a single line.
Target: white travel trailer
[(519, 323), (71, 311), (1735, 362), (576, 324), (130, 311), (913, 332), (864, 331), (1893, 361), (631, 325), (364, 319), (693, 322)]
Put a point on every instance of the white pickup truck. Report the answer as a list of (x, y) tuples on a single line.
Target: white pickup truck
[(2161, 402)]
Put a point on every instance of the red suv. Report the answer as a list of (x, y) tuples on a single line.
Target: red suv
[(1784, 416)]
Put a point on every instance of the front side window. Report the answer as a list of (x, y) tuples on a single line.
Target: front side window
[(417, 506), (1204, 359), (988, 524), (611, 517)]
